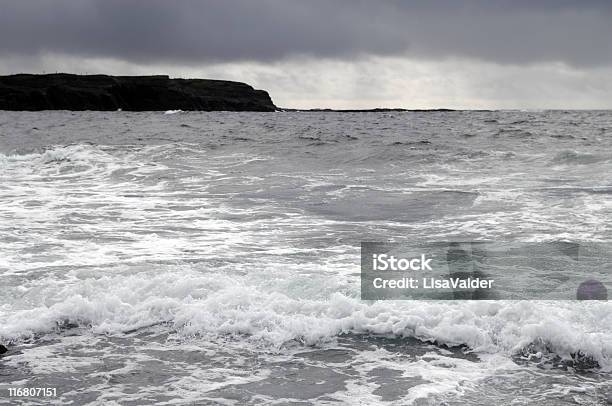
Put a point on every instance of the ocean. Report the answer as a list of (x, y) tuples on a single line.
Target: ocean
[(214, 258)]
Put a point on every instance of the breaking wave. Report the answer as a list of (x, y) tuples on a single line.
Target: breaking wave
[(195, 304)]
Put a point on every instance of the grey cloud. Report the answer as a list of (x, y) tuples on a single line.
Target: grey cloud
[(192, 32)]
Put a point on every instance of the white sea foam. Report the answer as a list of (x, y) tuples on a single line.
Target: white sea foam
[(205, 304)]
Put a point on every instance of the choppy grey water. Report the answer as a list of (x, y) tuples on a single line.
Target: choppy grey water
[(214, 257)]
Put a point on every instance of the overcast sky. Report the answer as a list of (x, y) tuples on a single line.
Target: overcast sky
[(333, 53)]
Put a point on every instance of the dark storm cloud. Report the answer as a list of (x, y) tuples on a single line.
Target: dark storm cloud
[(189, 31)]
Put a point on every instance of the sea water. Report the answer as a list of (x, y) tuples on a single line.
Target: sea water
[(214, 257)]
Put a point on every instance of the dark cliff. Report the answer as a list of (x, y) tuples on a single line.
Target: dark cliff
[(132, 93)]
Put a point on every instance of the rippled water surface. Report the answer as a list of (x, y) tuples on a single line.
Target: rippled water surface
[(214, 257)]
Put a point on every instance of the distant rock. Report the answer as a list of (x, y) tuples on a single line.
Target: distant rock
[(63, 91), (3, 349)]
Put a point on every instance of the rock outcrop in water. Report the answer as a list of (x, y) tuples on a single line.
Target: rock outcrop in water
[(63, 91)]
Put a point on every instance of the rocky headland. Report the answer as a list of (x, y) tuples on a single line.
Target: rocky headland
[(63, 91)]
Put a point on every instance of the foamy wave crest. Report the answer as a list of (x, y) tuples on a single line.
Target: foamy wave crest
[(78, 157), (196, 304), (578, 158)]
